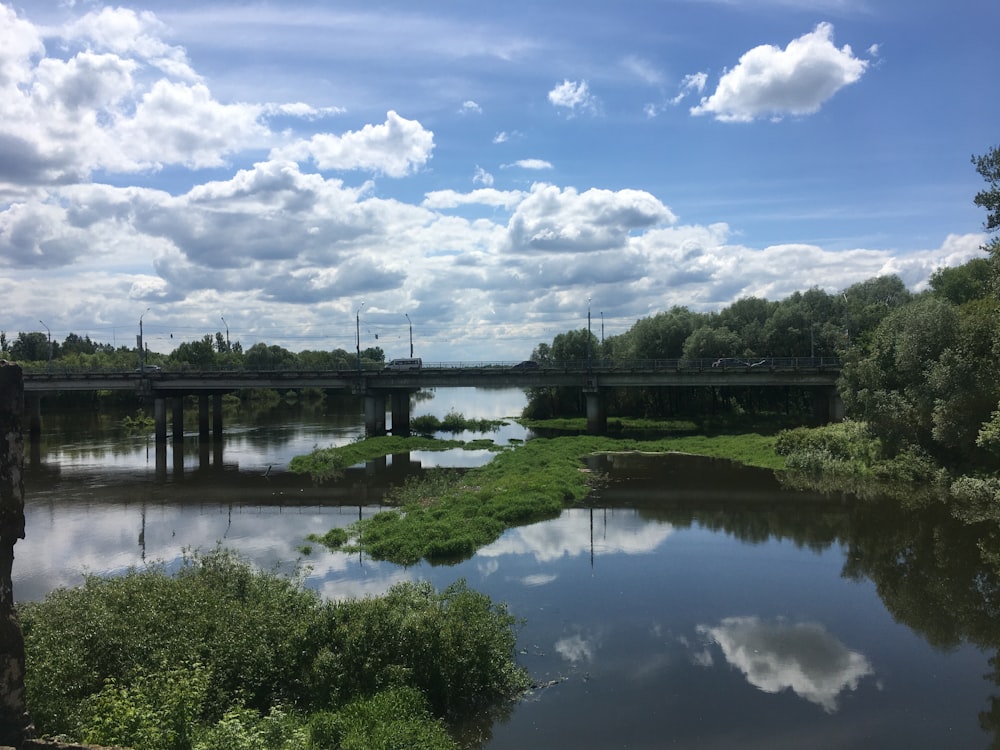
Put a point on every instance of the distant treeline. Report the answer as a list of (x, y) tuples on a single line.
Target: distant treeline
[(36, 351), (921, 370)]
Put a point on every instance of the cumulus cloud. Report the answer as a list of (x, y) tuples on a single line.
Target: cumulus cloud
[(771, 82), (395, 148), (777, 656), (574, 96), (470, 108), (555, 219)]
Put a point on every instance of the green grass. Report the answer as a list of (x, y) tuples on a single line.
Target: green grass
[(324, 464), (447, 515)]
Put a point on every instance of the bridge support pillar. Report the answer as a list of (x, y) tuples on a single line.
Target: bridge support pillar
[(597, 412), (217, 416), (178, 419), (374, 413), (836, 408), (203, 417), (160, 420), (400, 413)]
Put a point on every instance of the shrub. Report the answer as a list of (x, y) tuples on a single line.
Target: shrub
[(208, 658)]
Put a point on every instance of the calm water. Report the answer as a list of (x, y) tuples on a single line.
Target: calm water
[(690, 604)]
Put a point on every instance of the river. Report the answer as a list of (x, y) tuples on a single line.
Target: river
[(690, 603)]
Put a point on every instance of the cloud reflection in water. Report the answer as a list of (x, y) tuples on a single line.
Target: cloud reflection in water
[(776, 656)]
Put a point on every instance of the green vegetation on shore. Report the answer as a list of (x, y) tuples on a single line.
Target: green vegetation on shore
[(448, 515), (221, 656)]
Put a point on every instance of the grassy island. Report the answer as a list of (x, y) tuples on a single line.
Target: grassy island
[(449, 514)]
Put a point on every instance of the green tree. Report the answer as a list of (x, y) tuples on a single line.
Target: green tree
[(988, 166), (33, 347), (196, 354), (889, 386), (712, 342), (661, 336), (961, 284)]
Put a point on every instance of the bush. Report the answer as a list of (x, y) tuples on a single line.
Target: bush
[(212, 654)]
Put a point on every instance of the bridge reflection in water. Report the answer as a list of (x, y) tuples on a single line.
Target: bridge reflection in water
[(393, 388)]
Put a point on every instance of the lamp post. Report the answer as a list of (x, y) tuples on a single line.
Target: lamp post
[(411, 333), (142, 348), (588, 333), (357, 323), (50, 341), (227, 330)]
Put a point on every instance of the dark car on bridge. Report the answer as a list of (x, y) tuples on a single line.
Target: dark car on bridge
[(528, 364)]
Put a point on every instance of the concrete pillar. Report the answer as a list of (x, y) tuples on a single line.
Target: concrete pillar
[(15, 724), (160, 420), (374, 413), (836, 408), (597, 413), (401, 413), (203, 417), (217, 416), (177, 407)]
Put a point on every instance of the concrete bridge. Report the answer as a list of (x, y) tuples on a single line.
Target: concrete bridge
[(393, 387)]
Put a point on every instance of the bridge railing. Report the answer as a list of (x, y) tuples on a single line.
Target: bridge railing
[(578, 365)]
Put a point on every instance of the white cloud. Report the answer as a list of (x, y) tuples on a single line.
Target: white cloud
[(486, 196), (691, 83), (482, 177), (529, 164), (643, 70), (574, 96), (555, 220), (395, 148), (501, 137), (779, 656), (771, 82), (470, 108)]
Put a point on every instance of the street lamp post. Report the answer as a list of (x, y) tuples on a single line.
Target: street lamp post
[(357, 323), (142, 347), (411, 333), (588, 333), (227, 330), (50, 341)]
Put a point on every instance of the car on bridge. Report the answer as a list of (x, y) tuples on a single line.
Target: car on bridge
[(411, 363)]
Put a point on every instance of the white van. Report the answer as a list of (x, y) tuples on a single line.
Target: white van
[(405, 364)]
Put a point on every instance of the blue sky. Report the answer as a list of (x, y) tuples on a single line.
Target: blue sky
[(488, 171)]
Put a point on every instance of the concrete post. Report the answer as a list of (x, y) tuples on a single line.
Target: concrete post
[(15, 724), (178, 419), (203, 417), (160, 420), (401, 413), (374, 413), (217, 416), (597, 412)]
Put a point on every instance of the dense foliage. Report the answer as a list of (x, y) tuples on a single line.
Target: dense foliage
[(223, 656), (36, 350), (921, 373)]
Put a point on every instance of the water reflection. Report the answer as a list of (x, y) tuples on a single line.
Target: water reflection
[(691, 603), (776, 656)]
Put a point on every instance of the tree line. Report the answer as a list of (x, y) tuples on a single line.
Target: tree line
[(35, 351), (921, 370)]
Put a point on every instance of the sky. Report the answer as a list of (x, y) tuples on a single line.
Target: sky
[(318, 175)]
